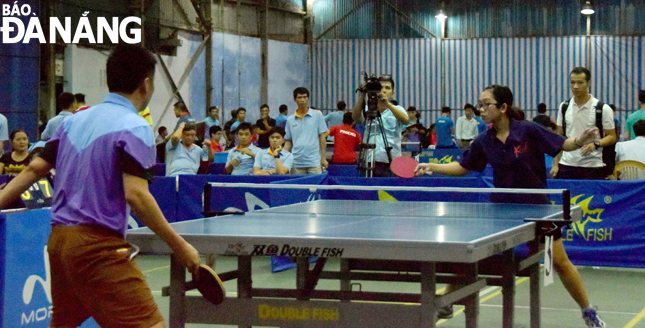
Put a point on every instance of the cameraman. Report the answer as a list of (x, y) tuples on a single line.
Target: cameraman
[(394, 118)]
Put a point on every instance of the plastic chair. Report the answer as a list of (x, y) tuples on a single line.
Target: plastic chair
[(628, 170)]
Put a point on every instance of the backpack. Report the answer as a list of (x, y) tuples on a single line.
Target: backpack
[(609, 152)]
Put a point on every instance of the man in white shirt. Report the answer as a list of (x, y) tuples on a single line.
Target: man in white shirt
[(586, 162), (466, 128), (633, 150)]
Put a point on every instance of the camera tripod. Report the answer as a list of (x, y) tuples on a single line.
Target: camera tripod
[(367, 153)]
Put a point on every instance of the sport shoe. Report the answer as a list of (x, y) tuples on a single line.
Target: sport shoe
[(446, 312), (592, 319)]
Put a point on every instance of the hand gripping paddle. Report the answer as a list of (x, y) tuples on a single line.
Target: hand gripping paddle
[(403, 167), (209, 284)]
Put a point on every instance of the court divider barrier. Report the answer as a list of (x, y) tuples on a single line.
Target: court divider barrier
[(611, 233)]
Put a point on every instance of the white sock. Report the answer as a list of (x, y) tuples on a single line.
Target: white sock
[(587, 308)]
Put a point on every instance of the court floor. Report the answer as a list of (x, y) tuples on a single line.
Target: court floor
[(619, 294)]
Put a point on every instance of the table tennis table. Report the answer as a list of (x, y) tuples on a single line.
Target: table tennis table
[(421, 237)]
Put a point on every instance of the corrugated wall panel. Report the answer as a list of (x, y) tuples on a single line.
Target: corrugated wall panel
[(536, 69), (484, 19)]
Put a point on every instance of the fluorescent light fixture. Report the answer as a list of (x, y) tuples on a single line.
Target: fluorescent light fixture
[(587, 9)]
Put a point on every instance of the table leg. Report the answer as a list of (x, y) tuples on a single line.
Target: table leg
[(428, 294), (244, 280), (535, 296), (177, 310), (508, 288), (345, 281), (472, 302)]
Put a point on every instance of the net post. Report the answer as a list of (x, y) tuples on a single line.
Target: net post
[(566, 204), (206, 201)]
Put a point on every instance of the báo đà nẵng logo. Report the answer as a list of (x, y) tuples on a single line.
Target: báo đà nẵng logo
[(14, 30)]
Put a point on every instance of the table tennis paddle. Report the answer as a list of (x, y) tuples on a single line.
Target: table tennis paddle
[(403, 167), (209, 284)]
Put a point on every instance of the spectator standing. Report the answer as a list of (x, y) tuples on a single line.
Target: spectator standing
[(182, 113), (305, 136), (635, 117), (241, 117), (481, 125), (466, 128), (544, 119), (346, 140), (240, 160), (281, 119), (274, 160), (228, 134), (67, 103), (211, 120), (263, 126), (580, 115), (445, 129)]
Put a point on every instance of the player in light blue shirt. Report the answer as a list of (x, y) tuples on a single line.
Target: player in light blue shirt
[(306, 134), (240, 159), (336, 117), (273, 160)]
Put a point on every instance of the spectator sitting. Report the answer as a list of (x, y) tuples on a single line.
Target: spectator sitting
[(240, 160), (215, 134), (633, 150), (211, 120), (12, 163), (182, 155), (263, 126), (281, 119), (181, 112), (544, 119), (274, 160), (241, 115), (163, 135), (67, 103), (346, 139)]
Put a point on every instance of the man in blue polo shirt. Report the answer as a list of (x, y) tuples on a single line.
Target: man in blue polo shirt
[(68, 105), (394, 118), (515, 149), (241, 158), (305, 135), (273, 160), (445, 129), (91, 274), (183, 157)]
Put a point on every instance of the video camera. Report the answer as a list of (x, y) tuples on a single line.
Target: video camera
[(372, 87)]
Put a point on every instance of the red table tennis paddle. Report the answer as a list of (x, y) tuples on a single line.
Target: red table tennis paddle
[(209, 284), (403, 167)]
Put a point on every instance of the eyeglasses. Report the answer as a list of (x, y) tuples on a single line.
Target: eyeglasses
[(484, 105)]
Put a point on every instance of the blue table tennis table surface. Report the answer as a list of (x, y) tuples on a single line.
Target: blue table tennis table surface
[(424, 231)]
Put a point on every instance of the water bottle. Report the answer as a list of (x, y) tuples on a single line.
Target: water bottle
[(205, 153)]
